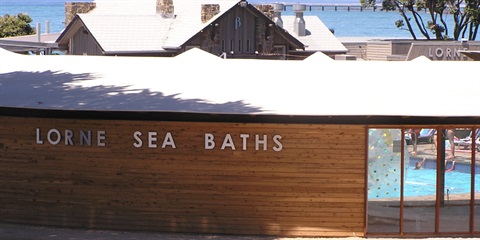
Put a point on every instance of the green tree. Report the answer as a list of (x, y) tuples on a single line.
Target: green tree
[(19, 25), (472, 12), (465, 14)]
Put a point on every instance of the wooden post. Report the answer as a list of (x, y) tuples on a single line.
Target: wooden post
[(441, 137)]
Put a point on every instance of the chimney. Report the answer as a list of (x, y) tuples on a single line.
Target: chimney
[(266, 9), (165, 8), (208, 11), (72, 8), (277, 14), (299, 23)]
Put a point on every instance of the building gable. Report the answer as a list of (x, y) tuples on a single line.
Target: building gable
[(244, 32), (85, 44), (78, 40)]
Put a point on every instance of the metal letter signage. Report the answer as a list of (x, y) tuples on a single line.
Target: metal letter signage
[(238, 23), (261, 142)]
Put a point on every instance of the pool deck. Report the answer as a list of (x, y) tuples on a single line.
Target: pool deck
[(429, 152)]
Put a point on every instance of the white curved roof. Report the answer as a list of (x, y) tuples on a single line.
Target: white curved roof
[(197, 82)]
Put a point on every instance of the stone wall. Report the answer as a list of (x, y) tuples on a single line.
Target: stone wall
[(209, 11), (165, 8), (264, 36), (72, 8), (266, 9)]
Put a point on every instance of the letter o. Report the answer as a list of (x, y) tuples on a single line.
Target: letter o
[(49, 136), (439, 52)]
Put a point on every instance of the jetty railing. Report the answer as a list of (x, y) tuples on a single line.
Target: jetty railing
[(337, 7)]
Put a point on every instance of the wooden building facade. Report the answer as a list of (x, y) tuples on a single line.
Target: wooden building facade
[(259, 147), (177, 175), (206, 173)]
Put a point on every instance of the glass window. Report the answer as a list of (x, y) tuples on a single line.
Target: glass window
[(420, 181), (384, 178), (437, 172), (456, 180)]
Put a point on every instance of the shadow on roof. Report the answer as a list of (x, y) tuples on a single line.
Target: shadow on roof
[(56, 90)]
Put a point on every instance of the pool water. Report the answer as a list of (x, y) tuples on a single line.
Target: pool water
[(423, 183)]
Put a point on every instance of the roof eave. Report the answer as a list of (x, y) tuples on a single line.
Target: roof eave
[(289, 37), (135, 52), (67, 32)]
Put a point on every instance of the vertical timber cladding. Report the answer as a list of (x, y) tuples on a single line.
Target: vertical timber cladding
[(237, 30), (309, 182)]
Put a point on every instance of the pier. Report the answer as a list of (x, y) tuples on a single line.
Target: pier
[(337, 7), (341, 7)]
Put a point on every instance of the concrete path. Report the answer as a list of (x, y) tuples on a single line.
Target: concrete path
[(28, 232)]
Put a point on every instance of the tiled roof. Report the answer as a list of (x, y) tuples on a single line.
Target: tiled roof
[(124, 7), (117, 33), (124, 26), (320, 38)]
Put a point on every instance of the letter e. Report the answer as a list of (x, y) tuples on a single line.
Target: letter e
[(100, 138)]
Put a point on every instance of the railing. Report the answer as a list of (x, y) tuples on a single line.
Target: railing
[(337, 7)]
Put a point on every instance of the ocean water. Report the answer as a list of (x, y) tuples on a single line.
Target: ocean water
[(353, 23), (40, 11)]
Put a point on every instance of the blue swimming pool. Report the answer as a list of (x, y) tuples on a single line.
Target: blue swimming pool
[(423, 183)]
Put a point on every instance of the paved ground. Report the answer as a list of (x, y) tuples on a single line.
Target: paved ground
[(27, 232), (429, 151)]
